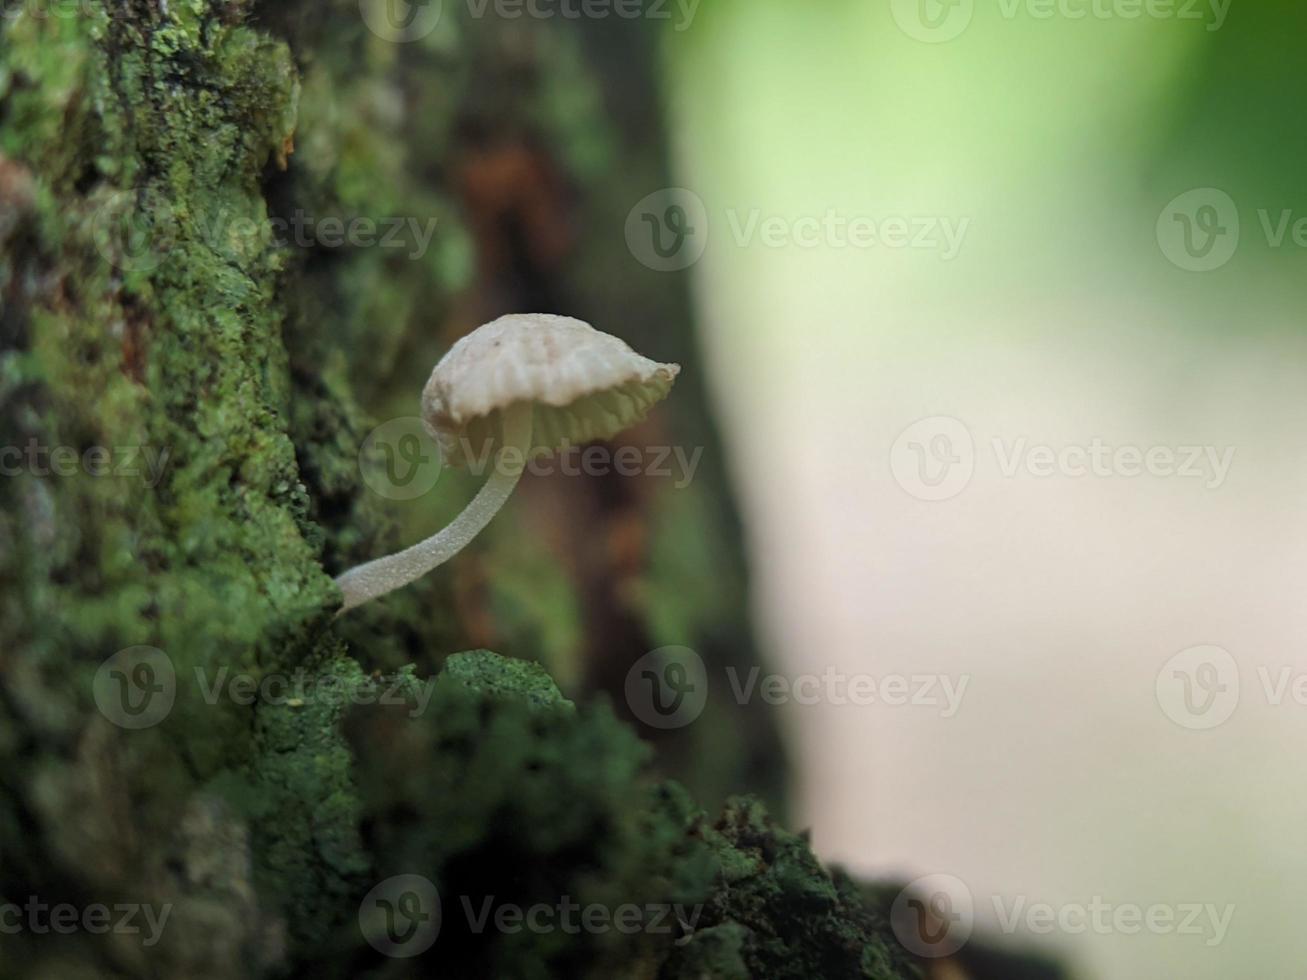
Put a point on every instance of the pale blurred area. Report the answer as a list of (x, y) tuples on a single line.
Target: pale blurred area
[(1060, 779)]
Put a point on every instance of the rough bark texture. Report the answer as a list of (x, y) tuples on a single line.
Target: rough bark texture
[(147, 309)]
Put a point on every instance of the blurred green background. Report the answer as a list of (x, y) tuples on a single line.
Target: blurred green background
[(1061, 138)]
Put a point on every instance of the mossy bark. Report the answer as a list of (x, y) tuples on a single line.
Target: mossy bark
[(188, 395)]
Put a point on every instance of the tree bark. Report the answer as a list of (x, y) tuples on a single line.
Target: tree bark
[(190, 366)]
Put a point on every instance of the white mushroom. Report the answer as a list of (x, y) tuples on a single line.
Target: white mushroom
[(524, 385)]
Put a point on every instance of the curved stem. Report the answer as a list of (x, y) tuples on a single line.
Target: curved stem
[(376, 578)]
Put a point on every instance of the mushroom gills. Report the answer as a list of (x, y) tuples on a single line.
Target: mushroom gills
[(588, 419)]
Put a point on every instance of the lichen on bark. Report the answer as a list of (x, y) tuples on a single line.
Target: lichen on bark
[(149, 310)]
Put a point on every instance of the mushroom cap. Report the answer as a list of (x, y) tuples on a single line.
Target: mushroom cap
[(582, 385)]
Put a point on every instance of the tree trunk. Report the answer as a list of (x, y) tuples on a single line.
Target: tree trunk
[(197, 337)]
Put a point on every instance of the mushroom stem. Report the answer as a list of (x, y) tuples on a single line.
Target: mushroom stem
[(376, 578)]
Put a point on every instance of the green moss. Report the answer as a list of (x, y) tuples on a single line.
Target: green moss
[(498, 790), (146, 305), (521, 799), (142, 326), (777, 913)]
